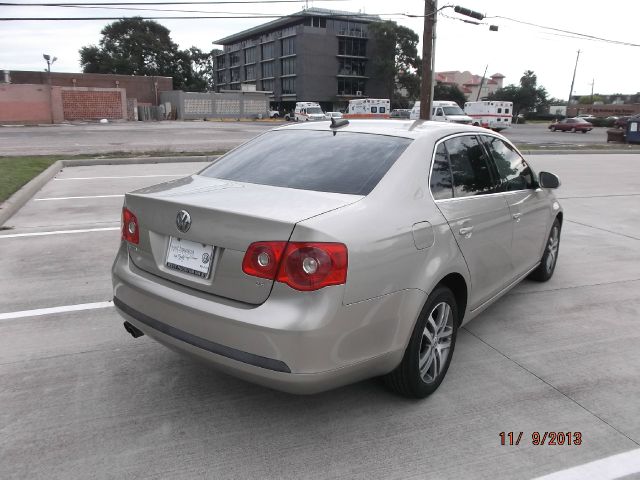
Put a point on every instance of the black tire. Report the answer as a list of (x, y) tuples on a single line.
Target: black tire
[(585, 131), (407, 379), (551, 249)]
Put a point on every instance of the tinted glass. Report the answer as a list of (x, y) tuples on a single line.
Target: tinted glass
[(471, 175), (339, 162), (453, 111), (441, 186), (513, 171)]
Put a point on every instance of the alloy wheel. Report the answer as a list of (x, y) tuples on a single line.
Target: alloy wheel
[(436, 342), (552, 248)]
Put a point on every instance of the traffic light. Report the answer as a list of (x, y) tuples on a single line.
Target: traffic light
[(468, 13)]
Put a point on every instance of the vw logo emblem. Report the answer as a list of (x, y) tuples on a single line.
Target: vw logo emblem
[(183, 221)]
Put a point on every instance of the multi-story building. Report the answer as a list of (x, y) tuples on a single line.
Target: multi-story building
[(313, 55), (470, 83)]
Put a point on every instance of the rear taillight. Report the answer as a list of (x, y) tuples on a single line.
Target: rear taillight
[(303, 266), (130, 230), (262, 259)]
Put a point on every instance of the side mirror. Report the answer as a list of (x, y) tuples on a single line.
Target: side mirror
[(548, 180)]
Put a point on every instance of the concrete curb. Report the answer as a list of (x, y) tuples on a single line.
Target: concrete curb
[(16, 201)]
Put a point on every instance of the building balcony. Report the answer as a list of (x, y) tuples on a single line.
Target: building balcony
[(352, 33)]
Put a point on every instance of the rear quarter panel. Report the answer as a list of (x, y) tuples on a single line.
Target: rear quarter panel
[(378, 232)]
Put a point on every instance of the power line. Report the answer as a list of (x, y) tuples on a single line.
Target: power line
[(72, 19), (248, 2), (583, 35)]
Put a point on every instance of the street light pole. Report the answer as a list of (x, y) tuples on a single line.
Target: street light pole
[(50, 62), (428, 58), (573, 79)]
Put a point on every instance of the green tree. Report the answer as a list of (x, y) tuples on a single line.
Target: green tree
[(449, 92), (397, 60), (528, 96), (133, 46)]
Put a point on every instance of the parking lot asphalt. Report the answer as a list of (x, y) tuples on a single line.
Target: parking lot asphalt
[(82, 399), (198, 136)]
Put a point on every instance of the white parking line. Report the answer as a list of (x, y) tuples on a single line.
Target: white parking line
[(609, 468), (126, 176), (59, 232), (74, 198), (52, 310)]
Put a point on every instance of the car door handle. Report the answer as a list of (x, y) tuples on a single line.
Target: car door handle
[(466, 231), (516, 217)]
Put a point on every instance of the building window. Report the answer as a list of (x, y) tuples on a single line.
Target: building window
[(235, 74), (355, 47), (267, 85), (351, 29), (350, 66), (288, 66), (351, 86), (288, 46), (267, 69), (249, 72), (234, 86), (234, 59), (268, 51), (250, 55), (288, 86), (221, 61), (317, 22), (222, 77)]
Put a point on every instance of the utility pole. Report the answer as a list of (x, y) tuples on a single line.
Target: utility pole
[(482, 81), (593, 81), (50, 62), (428, 58), (573, 79)]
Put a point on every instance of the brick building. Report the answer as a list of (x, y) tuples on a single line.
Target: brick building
[(144, 89)]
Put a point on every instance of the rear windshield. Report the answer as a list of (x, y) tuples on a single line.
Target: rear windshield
[(324, 161)]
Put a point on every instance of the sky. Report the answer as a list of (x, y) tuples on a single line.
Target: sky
[(514, 48)]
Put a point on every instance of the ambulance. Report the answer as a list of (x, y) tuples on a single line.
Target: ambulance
[(369, 108), (306, 111), (490, 114)]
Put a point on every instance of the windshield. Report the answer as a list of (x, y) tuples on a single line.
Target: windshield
[(314, 110), (453, 111), (338, 162)]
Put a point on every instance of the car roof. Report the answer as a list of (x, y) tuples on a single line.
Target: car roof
[(396, 128)]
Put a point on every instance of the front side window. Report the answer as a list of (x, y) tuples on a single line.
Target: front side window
[(469, 167), (441, 185), (513, 171), (338, 162)]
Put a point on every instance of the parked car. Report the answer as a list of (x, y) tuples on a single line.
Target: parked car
[(400, 113), (587, 117), (329, 115), (622, 121), (571, 125), (304, 272), (274, 114)]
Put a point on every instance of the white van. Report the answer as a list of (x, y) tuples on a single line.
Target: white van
[(306, 111), (369, 108), (442, 111)]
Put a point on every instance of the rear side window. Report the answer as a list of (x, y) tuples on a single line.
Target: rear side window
[(441, 185), (324, 161), (513, 171), (469, 168)]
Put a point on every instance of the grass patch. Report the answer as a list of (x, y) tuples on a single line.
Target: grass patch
[(17, 171)]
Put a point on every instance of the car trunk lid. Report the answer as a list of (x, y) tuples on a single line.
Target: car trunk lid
[(225, 215)]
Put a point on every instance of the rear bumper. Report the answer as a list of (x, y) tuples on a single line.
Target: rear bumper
[(299, 342)]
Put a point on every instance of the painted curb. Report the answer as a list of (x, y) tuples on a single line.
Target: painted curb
[(16, 201)]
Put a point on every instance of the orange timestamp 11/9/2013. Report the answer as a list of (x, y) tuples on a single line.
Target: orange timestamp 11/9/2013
[(542, 438)]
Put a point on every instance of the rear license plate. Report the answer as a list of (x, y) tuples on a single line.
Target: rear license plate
[(189, 257)]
